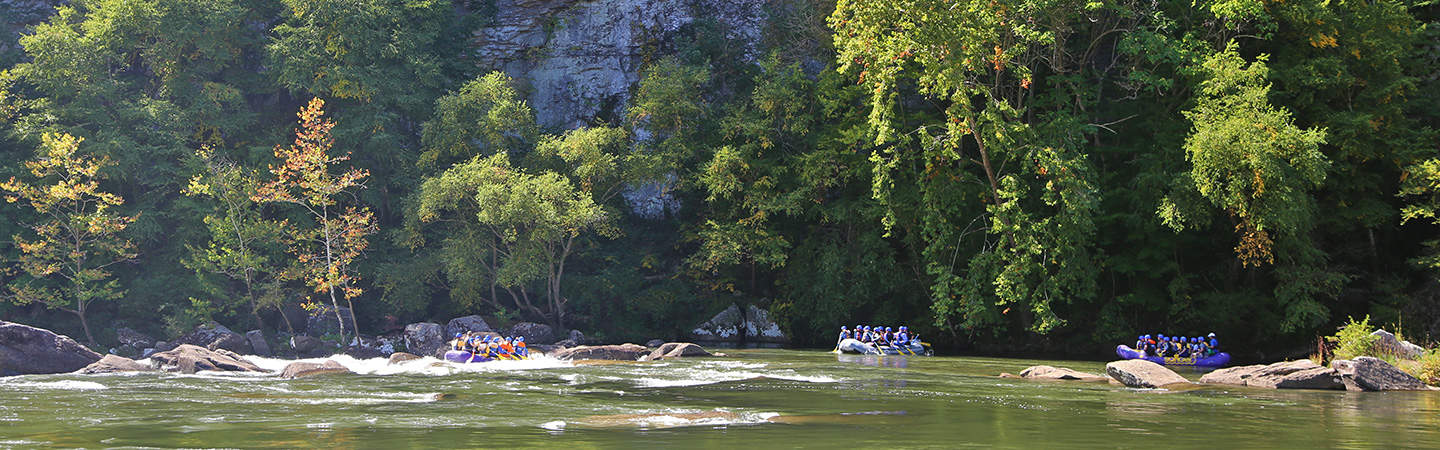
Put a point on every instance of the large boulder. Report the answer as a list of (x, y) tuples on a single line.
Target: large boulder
[(1058, 373), (578, 338), (676, 350), (310, 369), (191, 358), (322, 322), (215, 336), (113, 364), (465, 325), (1264, 376), (534, 333), (623, 352), (1313, 378), (1372, 374), (258, 346), (750, 325), (306, 345), (1386, 341), (28, 350), (132, 338), (1139, 373), (424, 338), (654, 343)]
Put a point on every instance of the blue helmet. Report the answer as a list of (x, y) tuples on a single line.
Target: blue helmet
[(903, 328), (842, 328), (520, 339), (457, 335), (889, 329)]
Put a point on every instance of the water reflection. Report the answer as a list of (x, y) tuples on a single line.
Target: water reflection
[(892, 361)]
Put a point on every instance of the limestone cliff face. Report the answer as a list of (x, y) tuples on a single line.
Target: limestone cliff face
[(16, 16), (581, 58)]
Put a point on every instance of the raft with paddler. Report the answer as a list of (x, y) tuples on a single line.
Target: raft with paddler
[(474, 348), (868, 340)]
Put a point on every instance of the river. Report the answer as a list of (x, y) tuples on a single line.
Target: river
[(755, 398)]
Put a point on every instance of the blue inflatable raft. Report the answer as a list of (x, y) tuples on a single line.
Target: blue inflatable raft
[(857, 347), (1216, 360)]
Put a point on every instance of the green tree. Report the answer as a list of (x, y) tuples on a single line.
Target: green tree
[(1000, 185), (532, 223), (79, 236), (243, 243)]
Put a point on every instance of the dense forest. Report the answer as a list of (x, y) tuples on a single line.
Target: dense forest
[(1002, 175)]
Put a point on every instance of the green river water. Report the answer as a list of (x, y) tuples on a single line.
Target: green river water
[(754, 398)]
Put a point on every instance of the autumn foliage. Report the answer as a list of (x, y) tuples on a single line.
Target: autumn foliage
[(78, 235), (309, 177)]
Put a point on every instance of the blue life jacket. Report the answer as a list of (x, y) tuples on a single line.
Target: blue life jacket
[(1214, 343)]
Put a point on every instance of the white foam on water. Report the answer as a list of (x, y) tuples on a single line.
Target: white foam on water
[(558, 425), (423, 366), (678, 419), (62, 385)]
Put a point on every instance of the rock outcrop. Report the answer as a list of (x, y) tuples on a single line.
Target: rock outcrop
[(623, 352), (751, 325), (465, 325), (191, 358), (400, 357), (424, 338), (113, 364), (1058, 373), (310, 369), (534, 333), (1139, 373), (1261, 375), (28, 350), (654, 343), (676, 350), (1372, 374)]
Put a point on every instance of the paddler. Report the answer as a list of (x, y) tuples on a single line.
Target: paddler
[(507, 348), (455, 344), (520, 348), (1214, 344), (903, 336)]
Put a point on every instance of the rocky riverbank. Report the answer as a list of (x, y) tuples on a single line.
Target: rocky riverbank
[(29, 350), (1360, 374)]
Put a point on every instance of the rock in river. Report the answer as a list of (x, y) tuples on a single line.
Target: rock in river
[(112, 364), (1372, 374), (676, 350), (625, 352), (28, 350), (1300, 374), (1139, 373), (310, 369), (190, 359), (1058, 373), (400, 357)]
